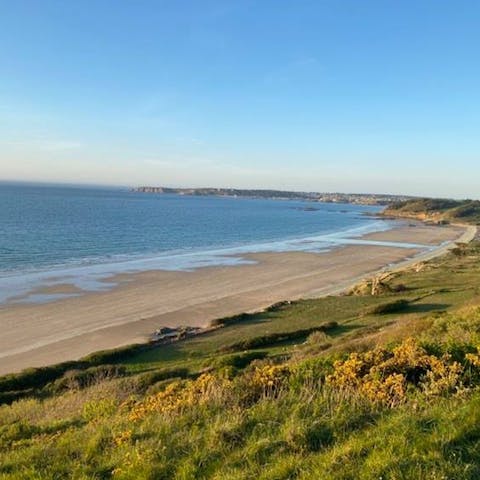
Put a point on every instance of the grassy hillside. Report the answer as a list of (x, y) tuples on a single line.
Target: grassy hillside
[(437, 210), (328, 389)]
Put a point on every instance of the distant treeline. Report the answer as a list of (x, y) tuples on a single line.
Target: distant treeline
[(359, 198), (230, 192)]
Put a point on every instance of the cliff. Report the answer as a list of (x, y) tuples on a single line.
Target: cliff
[(436, 210)]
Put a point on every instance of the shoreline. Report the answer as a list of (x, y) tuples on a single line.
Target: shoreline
[(42, 334), (61, 282)]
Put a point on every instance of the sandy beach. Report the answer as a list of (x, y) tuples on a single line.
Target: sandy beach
[(41, 334), (417, 232)]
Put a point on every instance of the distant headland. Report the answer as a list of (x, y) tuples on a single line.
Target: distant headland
[(355, 198), (436, 210)]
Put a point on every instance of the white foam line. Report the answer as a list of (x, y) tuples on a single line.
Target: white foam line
[(22, 287)]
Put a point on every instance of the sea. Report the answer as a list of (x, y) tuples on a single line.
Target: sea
[(53, 235)]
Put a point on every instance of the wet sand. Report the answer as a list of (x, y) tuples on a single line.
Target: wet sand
[(417, 232), (42, 334)]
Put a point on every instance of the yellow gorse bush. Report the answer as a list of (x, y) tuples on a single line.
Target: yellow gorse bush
[(123, 437), (270, 376), (176, 396), (474, 358), (383, 376)]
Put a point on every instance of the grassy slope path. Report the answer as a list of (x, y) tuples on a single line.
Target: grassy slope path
[(467, 236)]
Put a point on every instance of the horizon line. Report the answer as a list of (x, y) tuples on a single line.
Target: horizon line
[(134, 187)]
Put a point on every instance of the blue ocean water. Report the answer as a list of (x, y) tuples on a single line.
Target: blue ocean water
[(55, 234)]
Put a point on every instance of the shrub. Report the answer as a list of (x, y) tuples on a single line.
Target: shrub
[(262, 382), (460, 250), (238, 361), (388, 307), (9, 397), (115, 354), (242, 317), (179, 395), (383, 376), (275, 338), (34, 377), (319, 336), (148, 379), (221, 322), (30, 381), (79, 379), (100, 408)]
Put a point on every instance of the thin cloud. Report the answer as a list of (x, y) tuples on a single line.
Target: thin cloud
[(60, 145), (44, 145)]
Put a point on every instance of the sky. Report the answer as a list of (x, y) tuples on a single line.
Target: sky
[(376, 96)]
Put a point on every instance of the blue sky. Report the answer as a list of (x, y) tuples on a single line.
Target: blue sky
[(360, 96)]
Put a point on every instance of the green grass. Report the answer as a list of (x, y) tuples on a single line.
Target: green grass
[(301, 315), (443, 286), (75, 419)]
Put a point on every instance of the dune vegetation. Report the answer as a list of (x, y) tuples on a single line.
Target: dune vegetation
[(437, 210), (356, 386)]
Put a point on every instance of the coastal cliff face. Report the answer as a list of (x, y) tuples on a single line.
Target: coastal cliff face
[(436, 210), (436, 217)]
